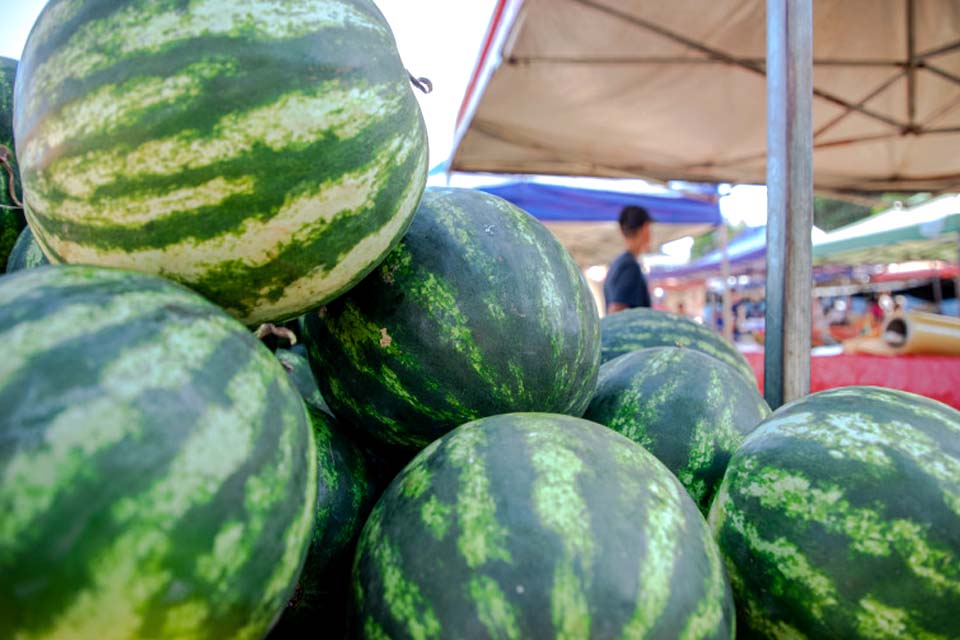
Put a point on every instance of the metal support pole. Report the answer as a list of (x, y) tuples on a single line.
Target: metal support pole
[(726, 302), (789, 200), (956, 280)]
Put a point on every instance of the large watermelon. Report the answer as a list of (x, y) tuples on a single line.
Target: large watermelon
[(158, 468), (839, 517), (345, 494), (538, 526), (267, 154), (689, 410), (26, 253), (11, 215), (478, 311), (642, 328)]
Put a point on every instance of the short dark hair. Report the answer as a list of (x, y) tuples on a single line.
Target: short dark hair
[(633, 218)]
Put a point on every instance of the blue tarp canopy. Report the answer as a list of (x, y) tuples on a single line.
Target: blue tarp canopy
[(747, 248), (558, 203), (584, 219)]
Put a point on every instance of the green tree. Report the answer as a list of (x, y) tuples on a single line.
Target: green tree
[(704, 244)]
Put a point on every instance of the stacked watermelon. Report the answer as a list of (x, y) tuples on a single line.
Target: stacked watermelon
[(11, 215), (159, 470), (839, 517), (267, 155)]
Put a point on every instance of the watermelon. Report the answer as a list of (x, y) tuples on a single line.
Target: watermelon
[(345, 494), (478, 311), (26, 253), (159, 470), (11, 215), (642, 328), (266, 154), (301, 375), (538, 526), (689, 410), (839, 517)]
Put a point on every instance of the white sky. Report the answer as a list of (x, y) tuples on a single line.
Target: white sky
[(438, 39)]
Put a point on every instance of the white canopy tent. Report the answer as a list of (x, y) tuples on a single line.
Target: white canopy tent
[(676, 90), (679, 90)]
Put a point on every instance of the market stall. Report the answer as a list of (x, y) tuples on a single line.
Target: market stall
[(621, 88)]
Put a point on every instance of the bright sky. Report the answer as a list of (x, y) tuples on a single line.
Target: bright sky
[(438, 39)]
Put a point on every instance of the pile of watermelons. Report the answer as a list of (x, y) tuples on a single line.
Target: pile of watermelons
[(441, 453)]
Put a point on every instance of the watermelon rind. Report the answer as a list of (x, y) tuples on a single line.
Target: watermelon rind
[(478, 311), (839, 517), (538, 526), (267, 155), (159, 469)]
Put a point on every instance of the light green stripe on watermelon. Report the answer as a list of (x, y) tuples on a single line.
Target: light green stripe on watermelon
[(493, 609), (656, 570), (482, 537), (437, 516), (267, 156), (407, 604), (564, 512)]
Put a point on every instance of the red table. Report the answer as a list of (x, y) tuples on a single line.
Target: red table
[(936, 377)]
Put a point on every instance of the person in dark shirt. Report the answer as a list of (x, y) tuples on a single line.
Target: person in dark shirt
[(625, 286)]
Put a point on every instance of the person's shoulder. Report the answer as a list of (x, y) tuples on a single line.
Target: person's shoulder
[(625, 262)]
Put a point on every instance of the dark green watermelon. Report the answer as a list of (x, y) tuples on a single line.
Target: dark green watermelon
[(158, 468), (26, 253), (300, 373), (641, 328), (689, 410), (346, 492), (839, 517), (478, 311), (538, 526), (11, 215)]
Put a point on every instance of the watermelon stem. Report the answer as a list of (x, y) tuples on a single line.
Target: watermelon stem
[(5, 156), (269, 329), (424, 84)]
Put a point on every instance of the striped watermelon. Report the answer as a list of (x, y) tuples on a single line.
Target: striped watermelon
[(158, 468), (11, 216), (642, 328), (345, 494), (266, 154), (538, 526), (689, 410), (298, 368), (479, 311), (839, 517), (26, 253)]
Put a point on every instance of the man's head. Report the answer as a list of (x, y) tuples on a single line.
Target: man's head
[(635, 227)]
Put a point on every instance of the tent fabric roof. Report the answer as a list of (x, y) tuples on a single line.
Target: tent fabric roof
[(585, 220), (676, 90), (925, 232)]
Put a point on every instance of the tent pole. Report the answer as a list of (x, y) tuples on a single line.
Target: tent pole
[(789, 200), (956, 280), (727, 291)]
